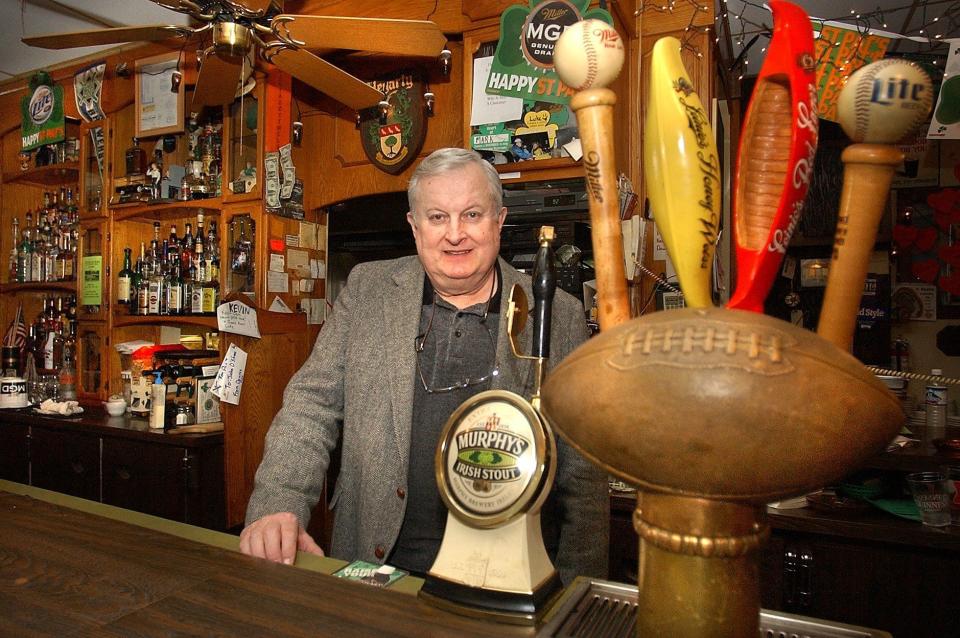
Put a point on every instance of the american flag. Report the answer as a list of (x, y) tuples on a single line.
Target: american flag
[(17, 332)]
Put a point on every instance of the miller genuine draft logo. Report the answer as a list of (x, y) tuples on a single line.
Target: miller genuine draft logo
[(394, 143)]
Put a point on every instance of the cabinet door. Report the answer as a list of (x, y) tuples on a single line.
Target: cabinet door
[(904, 590), (182, 484), (14, 453), (67, 462), (144, 477)]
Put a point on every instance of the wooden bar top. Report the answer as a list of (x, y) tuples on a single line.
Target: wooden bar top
[(78, 568)]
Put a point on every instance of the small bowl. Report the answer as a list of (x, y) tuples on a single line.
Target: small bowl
[(115, 408)]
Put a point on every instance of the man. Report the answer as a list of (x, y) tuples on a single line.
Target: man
[(407, 342)]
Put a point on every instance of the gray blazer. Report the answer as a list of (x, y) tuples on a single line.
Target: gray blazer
[(358, 384)]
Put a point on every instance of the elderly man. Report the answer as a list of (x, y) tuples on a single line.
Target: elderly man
[(408, 341)]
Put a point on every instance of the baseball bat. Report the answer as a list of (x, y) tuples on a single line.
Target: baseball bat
[(899, 94), (775, 159), (593, 105), (682, 172)]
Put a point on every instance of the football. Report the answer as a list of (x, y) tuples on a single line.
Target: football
[(719, 403)]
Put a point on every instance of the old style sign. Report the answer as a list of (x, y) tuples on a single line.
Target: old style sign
[(392, 144)]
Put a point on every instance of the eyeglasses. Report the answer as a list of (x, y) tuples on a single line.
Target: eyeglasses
[(420, 340)]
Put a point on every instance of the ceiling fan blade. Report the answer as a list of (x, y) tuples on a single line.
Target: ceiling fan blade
[(92, 37), (218, 80), (326, 78), (401, 37)]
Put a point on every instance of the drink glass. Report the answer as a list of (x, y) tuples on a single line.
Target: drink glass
[(932, 492)]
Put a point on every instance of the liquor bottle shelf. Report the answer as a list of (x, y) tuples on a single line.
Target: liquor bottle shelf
[(65, 173), (120, 318), (165, 210), (39, 286)]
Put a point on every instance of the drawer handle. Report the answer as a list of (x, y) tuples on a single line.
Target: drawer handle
[(123, 473), (77, 467)]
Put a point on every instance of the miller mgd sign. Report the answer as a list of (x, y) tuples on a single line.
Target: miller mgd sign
[(393, 142), (42, 113), (523, 62)]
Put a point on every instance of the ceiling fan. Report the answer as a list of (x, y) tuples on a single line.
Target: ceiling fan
[(238, 27)]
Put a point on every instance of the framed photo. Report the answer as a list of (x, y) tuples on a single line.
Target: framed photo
[(159, 109)]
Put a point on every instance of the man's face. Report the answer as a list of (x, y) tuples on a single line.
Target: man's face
[(457, 230)]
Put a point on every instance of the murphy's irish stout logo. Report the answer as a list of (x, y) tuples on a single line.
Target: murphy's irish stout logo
[(490, 458), (394, 142)]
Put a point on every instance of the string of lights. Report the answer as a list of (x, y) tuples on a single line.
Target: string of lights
[(937, 19), (750, 26)]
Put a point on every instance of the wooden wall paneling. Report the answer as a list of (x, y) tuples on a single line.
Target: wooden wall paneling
[(269, 366), (338, 169)]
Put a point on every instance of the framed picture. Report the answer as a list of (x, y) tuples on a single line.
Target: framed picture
[(159, 108)]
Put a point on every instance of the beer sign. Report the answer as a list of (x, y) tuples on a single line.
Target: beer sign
[(523, 62), (42, 120)]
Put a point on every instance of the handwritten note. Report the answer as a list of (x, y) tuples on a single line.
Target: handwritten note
[(238, 318), (229, 380)]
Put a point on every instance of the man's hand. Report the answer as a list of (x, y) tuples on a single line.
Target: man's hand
[(277, 537)]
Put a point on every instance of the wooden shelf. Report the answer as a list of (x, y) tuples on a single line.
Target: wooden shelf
[(547, 169), (121, 319), (165, 210), (39, 286), (65, 173)]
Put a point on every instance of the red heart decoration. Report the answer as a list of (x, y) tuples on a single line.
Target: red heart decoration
[(926, 271), (944, 200), (951, 284), (950, 255), (926, 238), (904, 235)]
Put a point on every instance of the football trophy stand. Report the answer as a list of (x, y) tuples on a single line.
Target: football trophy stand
[(714, 412)]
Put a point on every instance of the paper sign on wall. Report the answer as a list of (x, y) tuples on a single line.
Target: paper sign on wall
[(238, 318), (229, 380)]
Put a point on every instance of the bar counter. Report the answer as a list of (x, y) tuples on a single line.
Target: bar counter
[(79, 568)]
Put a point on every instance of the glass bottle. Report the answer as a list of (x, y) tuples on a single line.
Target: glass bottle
[(136, 159), (125, 280), (14, 265), (67, 378), (26, 249), (143, 283), (211, 254)]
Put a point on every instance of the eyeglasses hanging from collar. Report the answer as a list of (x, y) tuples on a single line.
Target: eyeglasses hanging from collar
[(420, 340)]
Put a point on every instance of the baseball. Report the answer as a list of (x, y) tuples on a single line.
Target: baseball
[(885, 101), (589, 54)]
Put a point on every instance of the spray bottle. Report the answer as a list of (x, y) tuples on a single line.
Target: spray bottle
[(158, 401)]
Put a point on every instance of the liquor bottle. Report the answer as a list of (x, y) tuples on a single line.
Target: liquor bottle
[(36, 254), (143, 283), (136, 159), (14, 267), (186, 247), (125, 280), (26, 249), (198, 254), (67, 378), (173, 244), (174, 287), (212, 254), (157, 294)]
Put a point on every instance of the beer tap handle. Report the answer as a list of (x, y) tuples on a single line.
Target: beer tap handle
[(544, 288)]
